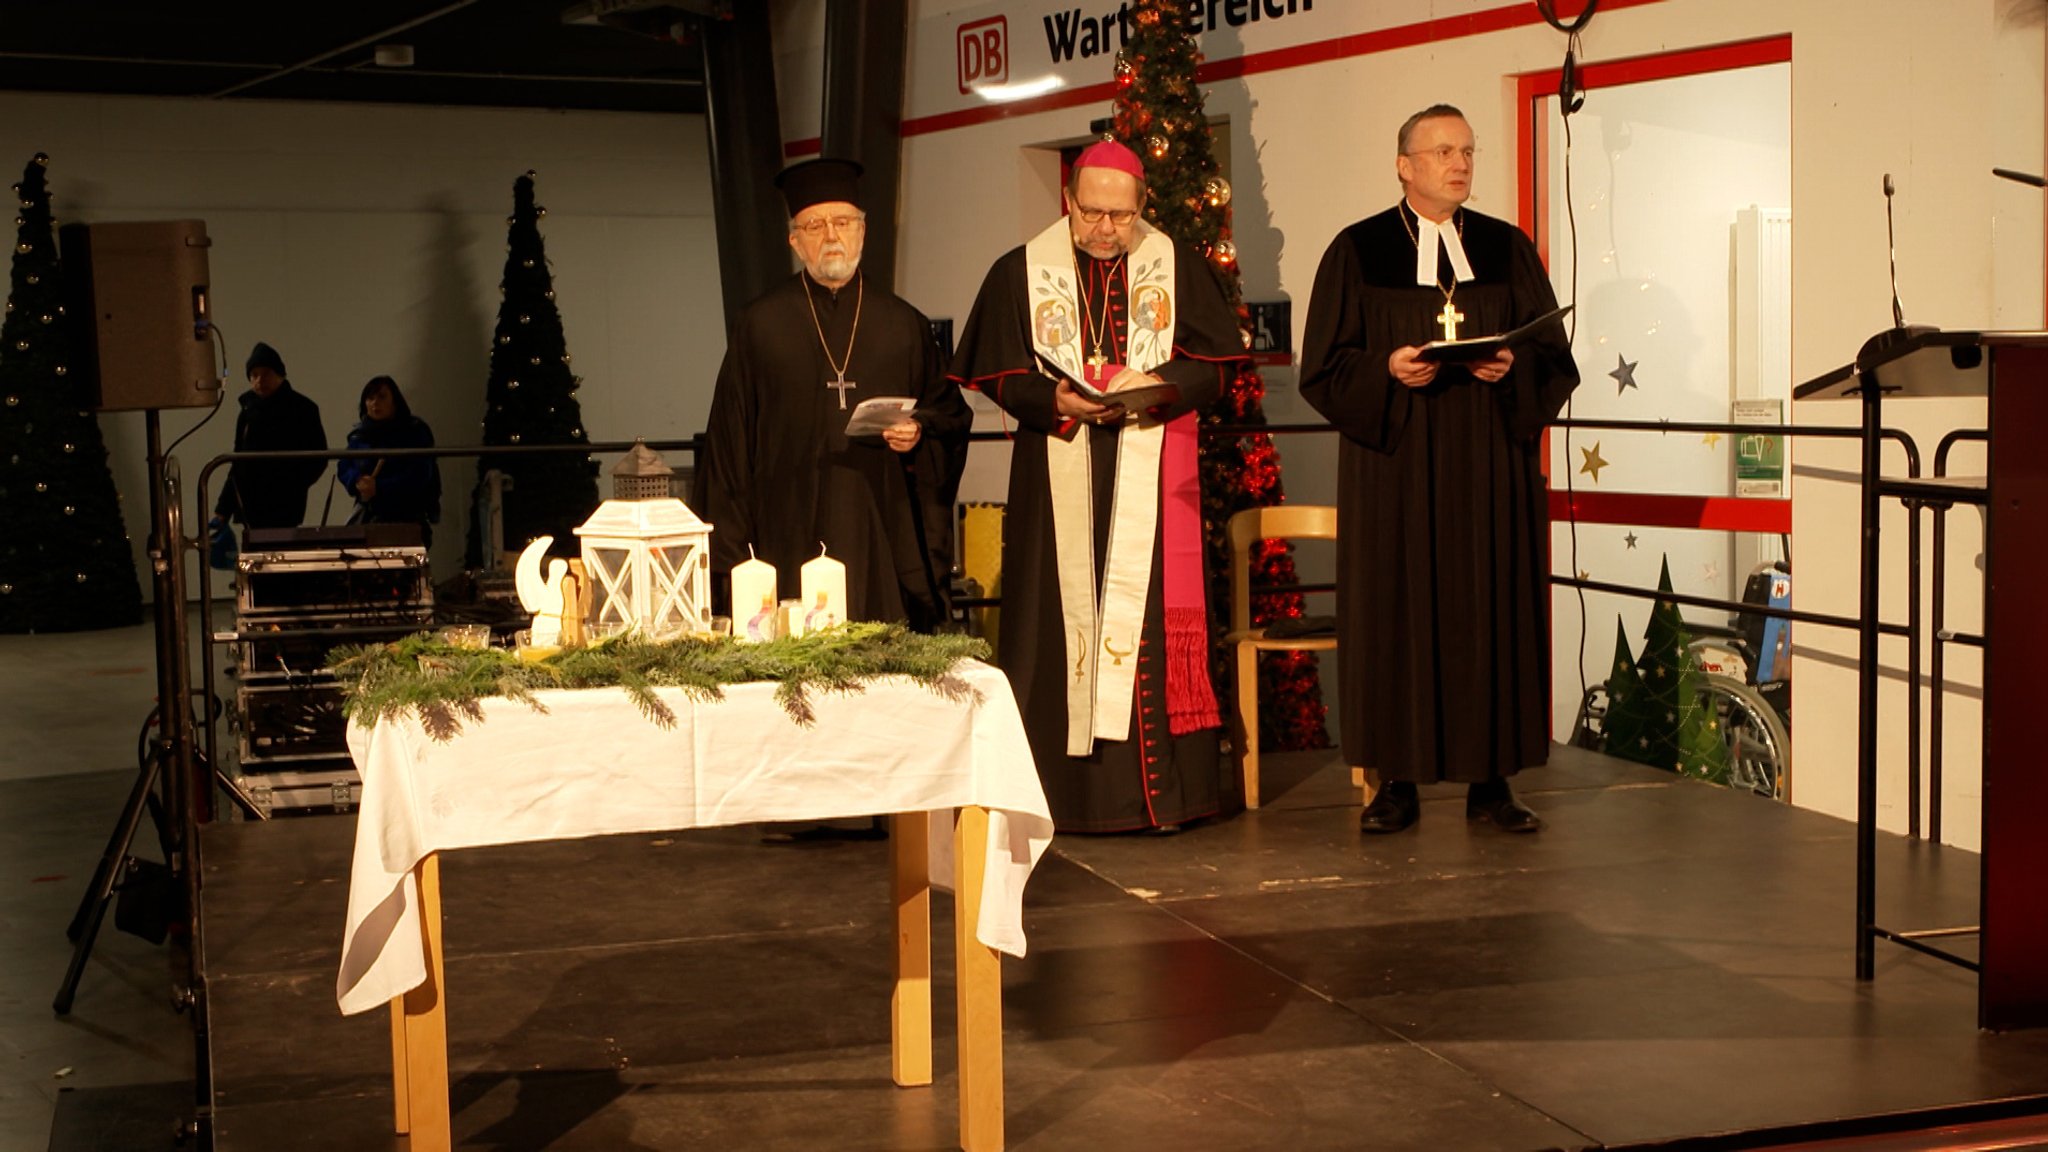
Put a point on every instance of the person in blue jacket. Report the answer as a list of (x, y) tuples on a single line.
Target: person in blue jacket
[(392, 490)]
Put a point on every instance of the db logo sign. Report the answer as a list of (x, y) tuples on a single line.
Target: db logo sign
[(984, 51)]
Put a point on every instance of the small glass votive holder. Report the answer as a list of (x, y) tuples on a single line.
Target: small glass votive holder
[(721, 625), (466, 635), (526, 649), (607, 631)]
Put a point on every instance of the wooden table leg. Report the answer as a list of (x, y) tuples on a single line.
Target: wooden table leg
[(421, 1080), (979, 981), (910, 1006), (401, 1072)]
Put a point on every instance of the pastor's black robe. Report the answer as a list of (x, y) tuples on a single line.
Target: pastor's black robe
[(779, 472), (1155, 777), (1442, 580)]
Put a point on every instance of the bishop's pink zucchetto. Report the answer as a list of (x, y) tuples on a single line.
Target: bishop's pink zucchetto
[(1112, 155)]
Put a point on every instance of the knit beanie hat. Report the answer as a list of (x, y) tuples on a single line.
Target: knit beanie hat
[(264, 356)]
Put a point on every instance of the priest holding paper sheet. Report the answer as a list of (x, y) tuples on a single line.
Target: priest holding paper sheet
[(786, 468), (1442, 588), (1104, 633)]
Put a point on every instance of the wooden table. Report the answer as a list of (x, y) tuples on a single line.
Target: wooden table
[(521, 776)]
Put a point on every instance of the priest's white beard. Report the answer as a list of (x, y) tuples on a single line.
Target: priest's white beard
[(836, 264)]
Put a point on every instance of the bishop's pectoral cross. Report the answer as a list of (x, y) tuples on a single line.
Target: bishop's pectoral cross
[(842, 384), (1449, 318)]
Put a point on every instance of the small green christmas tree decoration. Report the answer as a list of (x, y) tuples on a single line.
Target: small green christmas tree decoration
[(1158, 115), (1621, 729), (1658, 709), (532, 398), (65, 563)]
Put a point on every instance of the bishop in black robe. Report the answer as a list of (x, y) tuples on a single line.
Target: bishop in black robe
[(1442, 523), (780, 474), (1156, 778)]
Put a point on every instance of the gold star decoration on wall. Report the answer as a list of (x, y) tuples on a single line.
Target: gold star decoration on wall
[(1593, 462)]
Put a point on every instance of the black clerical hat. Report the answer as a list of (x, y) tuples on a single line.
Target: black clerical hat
[(819, 182)]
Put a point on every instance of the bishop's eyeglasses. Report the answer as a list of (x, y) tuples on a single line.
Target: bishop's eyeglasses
[(1119, 218), (816, 225)]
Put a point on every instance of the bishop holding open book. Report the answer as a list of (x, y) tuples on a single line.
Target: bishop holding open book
[(1103, 631), (1442, 587)]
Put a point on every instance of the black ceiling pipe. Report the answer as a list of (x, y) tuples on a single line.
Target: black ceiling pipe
[(865, 51), (746, 152)]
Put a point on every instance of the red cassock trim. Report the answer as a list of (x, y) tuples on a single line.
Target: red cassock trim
[(979, 384), (1179, 351)]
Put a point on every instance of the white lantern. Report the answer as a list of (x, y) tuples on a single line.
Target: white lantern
[(649, 565)]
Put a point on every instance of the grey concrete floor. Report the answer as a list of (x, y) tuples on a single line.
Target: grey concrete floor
[(71, 708)]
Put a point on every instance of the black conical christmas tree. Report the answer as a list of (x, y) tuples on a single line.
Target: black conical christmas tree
[(1158, 115), (1658, 711), (65, 563), (532, 397)]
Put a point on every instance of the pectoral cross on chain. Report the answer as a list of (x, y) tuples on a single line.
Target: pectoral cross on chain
[(1449, 318), (842, 384)]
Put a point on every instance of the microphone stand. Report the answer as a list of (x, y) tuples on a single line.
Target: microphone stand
[(173, 766), (1891, 245)]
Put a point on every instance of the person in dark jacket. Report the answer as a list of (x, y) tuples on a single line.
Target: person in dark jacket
[(274, 418), (392, 490)]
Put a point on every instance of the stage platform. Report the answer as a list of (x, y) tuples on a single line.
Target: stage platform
[(1665, 961)]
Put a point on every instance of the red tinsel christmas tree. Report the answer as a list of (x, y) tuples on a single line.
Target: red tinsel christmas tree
[(1159, 116)]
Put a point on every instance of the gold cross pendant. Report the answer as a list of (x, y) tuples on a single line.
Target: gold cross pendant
[(1098, 360), (1449, 318)]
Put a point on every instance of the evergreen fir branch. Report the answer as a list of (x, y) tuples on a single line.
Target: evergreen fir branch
[(445, 685)]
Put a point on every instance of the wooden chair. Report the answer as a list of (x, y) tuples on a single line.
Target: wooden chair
[(1285, 521)]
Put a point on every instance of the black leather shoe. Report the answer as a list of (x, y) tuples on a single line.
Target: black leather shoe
[(1396, 807), (1492, 803)]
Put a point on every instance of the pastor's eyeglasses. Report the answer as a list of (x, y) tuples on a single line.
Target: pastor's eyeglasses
[(1444, 152)]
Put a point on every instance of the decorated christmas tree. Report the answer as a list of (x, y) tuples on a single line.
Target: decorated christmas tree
[(532, 398), (65, 564), (1658, 710), (1159, 116)]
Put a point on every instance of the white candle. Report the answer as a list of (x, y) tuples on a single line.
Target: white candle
[(823, 592), (753, 598)]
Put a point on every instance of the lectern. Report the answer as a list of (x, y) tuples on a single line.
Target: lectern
[(2009, 369)]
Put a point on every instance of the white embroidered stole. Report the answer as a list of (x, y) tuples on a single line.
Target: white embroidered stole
[(1102, 635)]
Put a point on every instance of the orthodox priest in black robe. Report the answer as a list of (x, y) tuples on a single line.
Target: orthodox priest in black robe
[(780, 476), (1442, 581), (1103, 631)]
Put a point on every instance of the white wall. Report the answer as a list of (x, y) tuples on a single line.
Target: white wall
[(362, 240), (1878, 86)]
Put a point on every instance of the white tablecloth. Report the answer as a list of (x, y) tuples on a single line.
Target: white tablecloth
[(593, 765)]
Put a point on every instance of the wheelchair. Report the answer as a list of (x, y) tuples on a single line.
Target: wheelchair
[(1747, 668)]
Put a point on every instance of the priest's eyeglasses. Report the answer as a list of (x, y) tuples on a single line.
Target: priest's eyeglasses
[(816, 225), (1444, 152), (1119, 218)]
